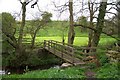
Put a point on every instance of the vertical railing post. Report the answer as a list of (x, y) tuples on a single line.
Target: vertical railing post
[(72, 54), (51, 44), (48, 44), (61, 49), (44, 43), (54, 46)]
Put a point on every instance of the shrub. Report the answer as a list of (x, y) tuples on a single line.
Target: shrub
[(103, 59), (108, 71)]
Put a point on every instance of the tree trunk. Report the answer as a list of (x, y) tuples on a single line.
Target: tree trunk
[(71, 33), (90, 6), (118, 23), (99, 27), (33, 38), (100, 24), (90, 36), (35, 33), (22, 25)]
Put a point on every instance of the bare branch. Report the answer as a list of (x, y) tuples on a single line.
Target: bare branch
[(113, 3), (96, 9), (20, 1), (110, 8), (112, 13), (116, 9), (32, 6), (96, 30), (66, 4), (26, 2), (39, 9), (61, 8)]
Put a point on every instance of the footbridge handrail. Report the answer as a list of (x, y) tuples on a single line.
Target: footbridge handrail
[(68, 52), (59, 46)]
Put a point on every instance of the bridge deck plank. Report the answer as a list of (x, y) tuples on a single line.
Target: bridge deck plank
[(66, 57)]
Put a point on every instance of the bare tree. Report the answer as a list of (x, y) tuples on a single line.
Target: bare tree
[(71, 33), (100, 23), (61, 9), (38, 24), (24, 4), (92, 12), (118, 19)]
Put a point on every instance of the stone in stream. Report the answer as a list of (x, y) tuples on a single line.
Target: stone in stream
[(64, 65), (56, 67), (2, 72)]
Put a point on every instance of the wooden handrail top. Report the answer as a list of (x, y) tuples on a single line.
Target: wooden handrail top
[(64, 46), (73, 46), (69, 49), (58, 46)]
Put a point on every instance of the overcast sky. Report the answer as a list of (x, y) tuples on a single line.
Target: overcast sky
[(14, 6)]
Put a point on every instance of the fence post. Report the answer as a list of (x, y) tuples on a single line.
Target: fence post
[(62, 52), (54, 47), (72, 54), (48, 44), (44, 43)]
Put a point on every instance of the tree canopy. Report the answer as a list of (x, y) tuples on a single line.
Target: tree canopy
[(8, 24)]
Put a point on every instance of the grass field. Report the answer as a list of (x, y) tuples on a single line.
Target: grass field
[(79, 41), (55, 29)]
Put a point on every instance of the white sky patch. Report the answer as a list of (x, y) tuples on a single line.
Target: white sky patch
[(14, 6), (9, 5)]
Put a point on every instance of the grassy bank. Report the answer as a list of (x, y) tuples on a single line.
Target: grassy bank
[(71, 72), (108, 71)]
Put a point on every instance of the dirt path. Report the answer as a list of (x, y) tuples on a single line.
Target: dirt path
[(89, 74)]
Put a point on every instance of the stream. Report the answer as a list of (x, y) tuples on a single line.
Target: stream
[(21, 70)]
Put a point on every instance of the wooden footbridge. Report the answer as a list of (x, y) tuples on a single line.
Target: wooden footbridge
[(67, 52)]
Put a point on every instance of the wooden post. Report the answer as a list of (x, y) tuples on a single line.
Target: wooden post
[(52, 44), (54, 47), (62, 52), (72, 54), (48, 44), (44, 43), (55, 44)]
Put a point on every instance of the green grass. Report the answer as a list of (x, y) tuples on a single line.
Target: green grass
[(79, 41), (71, 72), (108, 71)]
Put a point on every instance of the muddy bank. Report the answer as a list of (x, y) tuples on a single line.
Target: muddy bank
[(23, 69), (48, 60)]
